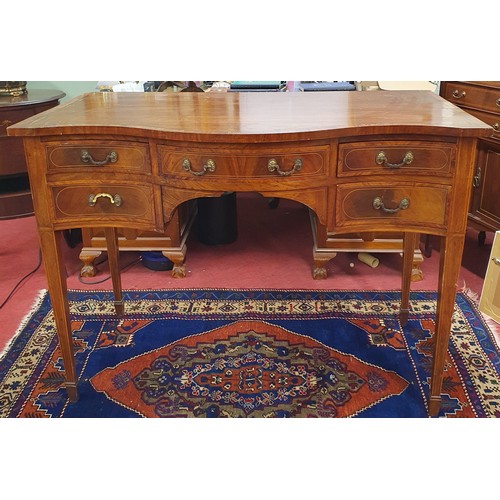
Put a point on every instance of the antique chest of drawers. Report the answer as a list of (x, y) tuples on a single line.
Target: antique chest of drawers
[(482, 99)]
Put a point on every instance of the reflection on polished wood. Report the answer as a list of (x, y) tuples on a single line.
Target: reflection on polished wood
[(155, 152)]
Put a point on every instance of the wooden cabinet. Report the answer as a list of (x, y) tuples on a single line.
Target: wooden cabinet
[(482, 99), (15, 195)]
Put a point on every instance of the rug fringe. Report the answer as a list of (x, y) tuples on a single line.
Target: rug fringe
[(38, 300)]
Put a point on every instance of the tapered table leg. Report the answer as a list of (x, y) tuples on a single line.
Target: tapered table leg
[(51, 243), (409, 243), (113, 254), (449, 269)]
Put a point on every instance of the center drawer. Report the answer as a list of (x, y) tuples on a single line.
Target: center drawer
[(228, 162), (405, 157), (99, 156), (107, 203)]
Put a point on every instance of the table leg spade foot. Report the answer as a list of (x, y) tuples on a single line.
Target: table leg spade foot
[(434, 406)]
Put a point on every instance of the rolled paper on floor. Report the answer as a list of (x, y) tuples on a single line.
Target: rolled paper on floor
[(368, 259)]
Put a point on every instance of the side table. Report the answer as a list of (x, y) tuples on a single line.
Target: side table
[(15, 194)]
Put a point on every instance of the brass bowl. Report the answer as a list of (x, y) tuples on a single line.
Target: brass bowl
[(13, 88)]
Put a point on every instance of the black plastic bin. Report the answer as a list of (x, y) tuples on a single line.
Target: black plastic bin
[(216, 222)]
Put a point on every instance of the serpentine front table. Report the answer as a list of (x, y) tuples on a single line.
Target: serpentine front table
[(361, 161)]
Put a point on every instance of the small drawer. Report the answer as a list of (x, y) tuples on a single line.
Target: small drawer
[(416, 205), (100, 156), (408, 157), (109, 203), (249, 163), (469, 96)]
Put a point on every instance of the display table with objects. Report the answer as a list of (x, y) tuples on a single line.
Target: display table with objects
[(362, 162)]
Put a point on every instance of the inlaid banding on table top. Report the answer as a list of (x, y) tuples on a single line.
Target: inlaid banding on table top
[(405, 157), (100, 155), (417, 205), (250, 162)]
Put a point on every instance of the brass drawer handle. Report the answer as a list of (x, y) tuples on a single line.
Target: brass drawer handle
[(208, 167), (497, 102), (86, 157), (458, 95), (114, 200), (381, 159), (378, 204), (272, 166), (496, 127), (496, 261)]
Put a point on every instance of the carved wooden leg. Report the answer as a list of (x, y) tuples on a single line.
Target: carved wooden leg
[(113, 258), (177, 256), (409, 242), (320, 261), (87, 256), (449, 269), (52, 243)]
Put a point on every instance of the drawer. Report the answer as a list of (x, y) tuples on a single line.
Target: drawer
[(490, 119), (363, 204), (469, 96), (408, 157), (102, 156), (108, 203), (249, 162)]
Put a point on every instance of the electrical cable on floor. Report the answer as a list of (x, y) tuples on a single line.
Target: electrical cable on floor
[(18, 284), (23, 279)]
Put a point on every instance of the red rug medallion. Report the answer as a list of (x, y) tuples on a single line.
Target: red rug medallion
[(244, 369)]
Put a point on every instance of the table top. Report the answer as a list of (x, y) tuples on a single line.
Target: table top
[(254, 117), (37, 96)]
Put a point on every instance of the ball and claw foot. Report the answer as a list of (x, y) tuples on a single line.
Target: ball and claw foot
[(319, 273), (178, 271)]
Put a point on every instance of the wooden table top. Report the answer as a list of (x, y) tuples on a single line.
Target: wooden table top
[(254, 117)]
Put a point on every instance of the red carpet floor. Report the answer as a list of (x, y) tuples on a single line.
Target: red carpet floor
[(273, 250)]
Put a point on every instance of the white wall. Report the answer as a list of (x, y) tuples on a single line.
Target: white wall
[(72, 89)]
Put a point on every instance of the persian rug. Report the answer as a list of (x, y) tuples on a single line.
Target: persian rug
[(250, 353)]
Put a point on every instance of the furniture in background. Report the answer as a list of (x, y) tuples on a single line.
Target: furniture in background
[(482, 99), (490, 294), (119, 161), (15, 195)]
